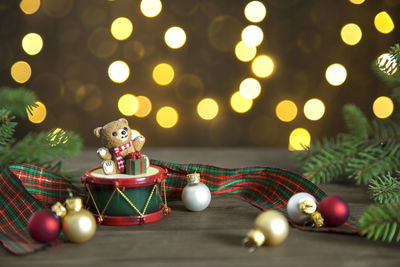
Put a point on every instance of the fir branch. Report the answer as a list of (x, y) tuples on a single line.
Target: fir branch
[(385, 188), (18, 100), (7, 127), (389, 80), (35, 148), (331, 162), (381, 222), (395, 52), (396, 94), (373, 160), (356, 122)]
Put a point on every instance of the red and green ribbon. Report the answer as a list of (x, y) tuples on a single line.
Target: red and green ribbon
[(25, 189)]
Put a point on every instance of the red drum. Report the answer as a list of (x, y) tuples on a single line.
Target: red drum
[(123, 199)]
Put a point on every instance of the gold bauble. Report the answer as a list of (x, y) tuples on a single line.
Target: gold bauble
[(79, 226), (273, 225)]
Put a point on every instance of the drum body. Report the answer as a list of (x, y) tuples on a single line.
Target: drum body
[(122, 199)]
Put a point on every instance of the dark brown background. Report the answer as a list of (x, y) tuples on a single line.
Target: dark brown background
[(303, 38)]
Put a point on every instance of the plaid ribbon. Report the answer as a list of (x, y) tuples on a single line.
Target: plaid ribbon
[(120, 160), (25, 189)]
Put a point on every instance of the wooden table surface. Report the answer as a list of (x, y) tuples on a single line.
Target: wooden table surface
[(213, 237)]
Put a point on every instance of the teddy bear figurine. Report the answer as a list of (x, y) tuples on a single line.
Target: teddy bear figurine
[(120, 143)]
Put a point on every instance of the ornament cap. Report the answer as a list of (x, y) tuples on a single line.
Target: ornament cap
[(317, 219), (254, 239), (59, 210), (74, 204), (193, 178), (308, 206)]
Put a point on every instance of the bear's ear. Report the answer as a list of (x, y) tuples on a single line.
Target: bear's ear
[(97, 131), (123, 120)]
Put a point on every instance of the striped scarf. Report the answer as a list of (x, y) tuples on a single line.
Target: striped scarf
[(117, 152)]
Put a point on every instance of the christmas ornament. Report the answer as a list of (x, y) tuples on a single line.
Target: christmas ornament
[(270, 228), (195, 196), (302, 207), (387, 63), (79, 224), (44, 226), (334, 210)]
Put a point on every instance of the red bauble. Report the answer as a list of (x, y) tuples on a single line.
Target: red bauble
[(334, 210), (44, 226)]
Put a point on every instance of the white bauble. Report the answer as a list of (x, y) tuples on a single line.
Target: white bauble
[(196, 196), (293, 207)]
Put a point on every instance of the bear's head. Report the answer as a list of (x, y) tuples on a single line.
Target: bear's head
[(115, 133)]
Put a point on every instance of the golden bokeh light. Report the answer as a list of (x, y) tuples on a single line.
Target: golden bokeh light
[(32, 43), (21, 71), (57, 136), (336, 74), (255, 11), (244, 52), (383, 22), (286, 110), (250, 88), (163, 74), (314, 109), (167, 117), (351, 34), (262, 66), (128, 104), (357, 2), (121, 28), (118, 71), (252, 35), (144, 106), (150, 8), (383, 107), (299, 139), (29, 6), (240, 104), (175, 37), (39, 113), (207, 109)]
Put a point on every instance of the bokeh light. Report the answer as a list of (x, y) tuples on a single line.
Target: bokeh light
[(21, 71), (39, 113), (32, 43), (128, 104), (383, 107), (240, 104), (29, 6), (336, 74), (255, 11), (250, 88), (351, 34), (299, 139), (383, 22), (357, 2), (252, 35), (314, 109), (207, 109), (167, 117), (286, 110), (175, 37), (244, 52), (144, 106), (150, 8), (57, 136), (262, 66), (118, 71), (163, 74), (121, 28)]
